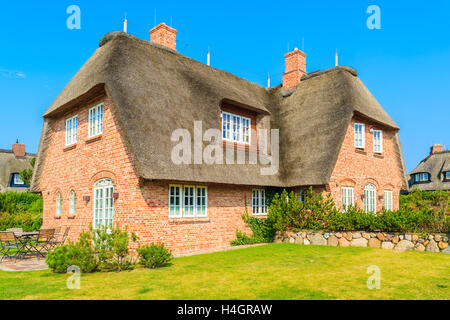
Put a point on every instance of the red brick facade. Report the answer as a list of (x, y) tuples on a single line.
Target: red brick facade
[(358, 167), (295, 68), (164, 35), (142, 206)]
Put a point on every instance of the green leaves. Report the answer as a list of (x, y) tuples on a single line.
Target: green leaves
[(154, 255)]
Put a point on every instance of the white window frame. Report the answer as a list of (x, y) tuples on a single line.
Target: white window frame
[(95, 123), (73, 203), (388, 200), (71, 130), (103, 204), (378, 145), (17, 180), (259, 205), (370, 198), (422, 177), (347, 198), (233, 126), (180, 210), (58, 204), (360, 141), (447, 175)]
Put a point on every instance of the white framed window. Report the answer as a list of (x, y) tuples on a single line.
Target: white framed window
[(359, 135), (236, 128), (388, 203), (71, 130), (377, 141), (58, 204), (103, 203), (73, 203), (347, 198), (259, 206), (422, 177), (96, 120), (370, 198), (447, 175), (17, 180), (188, 201)]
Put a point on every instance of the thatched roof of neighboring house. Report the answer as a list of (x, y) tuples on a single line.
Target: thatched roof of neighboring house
[(10, 164), (435, 164), (155, 90)]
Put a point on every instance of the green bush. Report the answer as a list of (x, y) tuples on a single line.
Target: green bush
[(154, 255), (20, 210), (79, 254), (111, 248)]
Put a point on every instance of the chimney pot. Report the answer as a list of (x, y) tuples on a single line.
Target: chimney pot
[(436, 148), (18, 150), (295, 68), (165, 36)]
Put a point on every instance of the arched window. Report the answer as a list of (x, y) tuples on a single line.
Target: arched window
[(73, 203), (58, 204), (103, 203), (370, 198)]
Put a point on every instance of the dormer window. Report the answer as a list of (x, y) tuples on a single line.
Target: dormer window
[(422, 177), (359, 136), (236, 128), (447, 176)]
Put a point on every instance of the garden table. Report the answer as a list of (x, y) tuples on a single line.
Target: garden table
[(27, 242)]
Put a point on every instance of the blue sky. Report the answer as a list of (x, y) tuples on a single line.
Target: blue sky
[(406, 64)]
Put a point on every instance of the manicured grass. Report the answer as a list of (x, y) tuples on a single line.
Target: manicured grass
[(275, 271)]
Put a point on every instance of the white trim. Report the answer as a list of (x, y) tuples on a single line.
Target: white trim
[(381, 141), (58, 204), (259, 205), (196, 213), (73, 203), (95, 121), (360, 142), (347, 193), (370, 198), (103, 205), (230, 130), (388, 200), (71, 130)]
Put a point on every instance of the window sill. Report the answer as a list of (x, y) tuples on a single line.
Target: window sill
[(260, 215), (57, 217), (360, 151), (94, 139), (194, 220), (379, 155), (69, 148), (71, 217)]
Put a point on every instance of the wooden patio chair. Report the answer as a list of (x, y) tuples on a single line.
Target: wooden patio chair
[(8, 243), (44, 239), (60, 239)]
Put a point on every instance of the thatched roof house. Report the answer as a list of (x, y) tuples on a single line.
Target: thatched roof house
[(12, 162), (156, 90), (433, 172)]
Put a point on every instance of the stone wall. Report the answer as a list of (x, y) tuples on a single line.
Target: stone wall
[(394, 241)]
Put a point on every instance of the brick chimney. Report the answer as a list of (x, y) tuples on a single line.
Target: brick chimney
[(165, 36), (295, 65), (436, 148), (18, 149)]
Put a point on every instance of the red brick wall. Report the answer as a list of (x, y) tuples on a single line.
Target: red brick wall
[(143, 206), (295, 68), (164, 35), (355, 168)]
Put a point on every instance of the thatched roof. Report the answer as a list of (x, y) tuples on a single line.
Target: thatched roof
[(10, 164), (155, 90), (435, 164)]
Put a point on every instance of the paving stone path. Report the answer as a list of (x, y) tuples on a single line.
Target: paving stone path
[(31, 264)]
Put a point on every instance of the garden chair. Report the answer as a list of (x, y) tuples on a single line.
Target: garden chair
[(8, 243), (44, 239), (59, 239), (14, 230)]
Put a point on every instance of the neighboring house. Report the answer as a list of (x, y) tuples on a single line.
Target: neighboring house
[(12, 162), (433, 172), (105, 154)]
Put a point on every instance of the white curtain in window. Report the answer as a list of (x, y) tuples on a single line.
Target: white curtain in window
[(370, 194)]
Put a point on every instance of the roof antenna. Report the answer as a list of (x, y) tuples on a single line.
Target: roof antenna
[(170, 20), (208, 58), (268, 80), (155, 17), (336, 58), (125, 24), (289, 47), (17, 141), (303, 44)]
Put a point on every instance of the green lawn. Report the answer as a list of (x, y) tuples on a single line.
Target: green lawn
[(275, 271)]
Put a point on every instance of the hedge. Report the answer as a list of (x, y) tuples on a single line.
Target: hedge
[(20, 210)]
